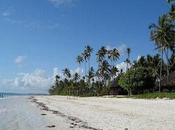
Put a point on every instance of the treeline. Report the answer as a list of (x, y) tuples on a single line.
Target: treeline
[(143, 75)]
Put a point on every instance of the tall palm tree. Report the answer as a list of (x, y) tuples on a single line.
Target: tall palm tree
[(114, 70), (66, 72), (128, 58), (101, 54), (79, 60), (104, 71), (91, 74), (88, 51), (163, 36), (85, 59), (76, 77), (113, 55)]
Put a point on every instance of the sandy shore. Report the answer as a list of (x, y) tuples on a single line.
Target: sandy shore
[(109, 113), (60, 113)]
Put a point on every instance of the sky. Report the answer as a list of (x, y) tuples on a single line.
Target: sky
[(39, 38)]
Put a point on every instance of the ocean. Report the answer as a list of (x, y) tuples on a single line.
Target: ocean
[(3, 94)]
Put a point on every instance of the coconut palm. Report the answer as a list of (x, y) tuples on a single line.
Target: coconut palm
[(128, 57), (91, 74), (113, 55), (114, 70), (85, 56), (163, 36), (104, 70), (88, 51), (66, 72), (101, 54), (76, 77), (170, 1), (79, 59)]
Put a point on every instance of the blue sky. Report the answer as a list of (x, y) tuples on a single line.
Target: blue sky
[(38, 38)]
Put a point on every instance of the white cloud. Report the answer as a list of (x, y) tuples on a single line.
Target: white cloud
[(123, 66), (122, 48), (138, 58), (35, 82), (58, 3), (19, 60), (38, 81)]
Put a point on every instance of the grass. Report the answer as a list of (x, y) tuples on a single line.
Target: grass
[(155, 95)]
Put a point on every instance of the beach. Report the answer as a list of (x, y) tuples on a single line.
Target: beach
[(90, 113)]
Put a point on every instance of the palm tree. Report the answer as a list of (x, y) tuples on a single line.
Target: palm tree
[(67, 73), (113, 55), (79, 59), (169, 1), (128, 58), (88, 51), (114, 70), (104, 71), (163, 36), (91, 74), (57, 80), (85, 56), (76, 77), (101, 54)]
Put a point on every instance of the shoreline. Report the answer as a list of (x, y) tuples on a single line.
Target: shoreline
[(100, 113), (86, 113)]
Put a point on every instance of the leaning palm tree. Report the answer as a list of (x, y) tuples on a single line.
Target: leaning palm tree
[(163, 36)]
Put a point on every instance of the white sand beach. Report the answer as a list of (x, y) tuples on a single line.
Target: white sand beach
[(94, 113), (114, 113)]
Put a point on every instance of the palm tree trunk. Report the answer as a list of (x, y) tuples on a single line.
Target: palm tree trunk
[(167, 54), (85, 70), (161, 71)]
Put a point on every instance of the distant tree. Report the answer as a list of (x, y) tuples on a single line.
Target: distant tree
[(90, 74), (66, 72), (79, 59)]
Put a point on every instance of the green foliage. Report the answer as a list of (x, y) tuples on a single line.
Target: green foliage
[(137, 79)]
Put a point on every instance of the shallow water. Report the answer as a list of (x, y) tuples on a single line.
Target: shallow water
[(18, 113)]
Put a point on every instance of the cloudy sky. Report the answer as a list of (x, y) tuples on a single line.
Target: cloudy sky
[(38, 38)]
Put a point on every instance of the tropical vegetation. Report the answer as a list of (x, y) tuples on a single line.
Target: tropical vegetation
[(148, 74)]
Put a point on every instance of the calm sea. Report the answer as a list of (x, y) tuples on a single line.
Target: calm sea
[(18, 94)]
